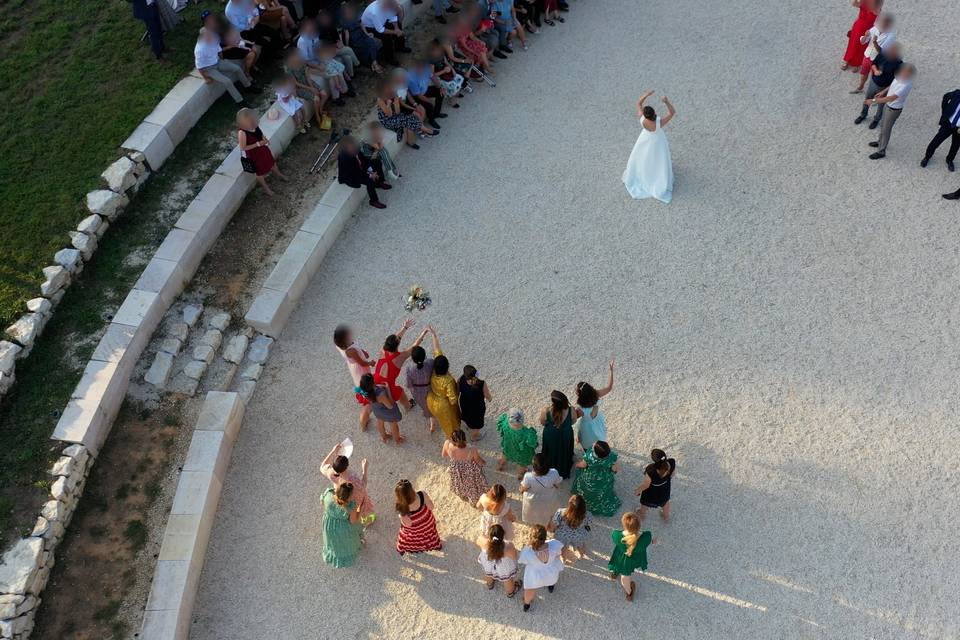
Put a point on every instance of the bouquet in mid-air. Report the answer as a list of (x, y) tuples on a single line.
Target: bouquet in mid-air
[(417, 298)]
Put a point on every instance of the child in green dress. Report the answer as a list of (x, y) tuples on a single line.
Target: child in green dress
[(517, 441), (595, 479), (629, 552)]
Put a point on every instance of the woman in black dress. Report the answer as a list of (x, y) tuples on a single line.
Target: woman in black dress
[(557, 421), (654, 491), (474, 394)]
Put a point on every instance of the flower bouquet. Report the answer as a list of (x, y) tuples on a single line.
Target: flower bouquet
[(417, 298)]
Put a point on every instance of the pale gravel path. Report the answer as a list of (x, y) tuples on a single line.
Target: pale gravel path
[(787, 328)]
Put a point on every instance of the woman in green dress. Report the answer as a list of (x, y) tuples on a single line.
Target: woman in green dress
[(629, 552), (342, 529), (594, 480), (557, 421), (518, 442)]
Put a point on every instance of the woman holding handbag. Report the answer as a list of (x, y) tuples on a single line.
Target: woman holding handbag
[(255, 154)]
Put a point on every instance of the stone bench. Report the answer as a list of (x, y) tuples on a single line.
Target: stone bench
[(173, 117), (177, 575), (283, 288), (95, 402)]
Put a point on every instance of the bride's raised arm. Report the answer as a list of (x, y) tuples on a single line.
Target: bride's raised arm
[(640, 102), (671, 111)]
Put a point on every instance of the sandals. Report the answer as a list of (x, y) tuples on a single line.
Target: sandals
[(517, 585), (491, 585)]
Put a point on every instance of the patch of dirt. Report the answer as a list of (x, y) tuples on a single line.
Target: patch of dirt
[(95, 572)]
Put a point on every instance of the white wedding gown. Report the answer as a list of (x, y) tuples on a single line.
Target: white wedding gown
[(649, 172)]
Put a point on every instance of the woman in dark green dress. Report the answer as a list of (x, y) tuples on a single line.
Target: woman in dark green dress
[(558, 438), (629, 552), (595, 479)]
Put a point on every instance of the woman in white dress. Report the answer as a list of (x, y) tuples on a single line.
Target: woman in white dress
[(543, 564), (649, 172), (539, 491)]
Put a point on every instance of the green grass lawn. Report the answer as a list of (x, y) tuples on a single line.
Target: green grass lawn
[(74, 82)]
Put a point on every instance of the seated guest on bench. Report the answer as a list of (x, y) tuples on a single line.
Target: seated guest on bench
[(211, 65), (354, 170)]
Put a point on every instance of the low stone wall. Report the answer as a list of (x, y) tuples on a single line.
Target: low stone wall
[(147, 148), (175, 580), (89, 415)]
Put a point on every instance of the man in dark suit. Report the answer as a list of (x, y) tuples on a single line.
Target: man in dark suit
[(356, 170), (949, 128), (149, 13)]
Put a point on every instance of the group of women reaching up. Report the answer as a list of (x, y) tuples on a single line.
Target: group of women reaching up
[(571, 446)]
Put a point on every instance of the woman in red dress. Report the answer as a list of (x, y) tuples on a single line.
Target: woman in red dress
[(255, 147), (865, 19), (391, 361), (418, 527)]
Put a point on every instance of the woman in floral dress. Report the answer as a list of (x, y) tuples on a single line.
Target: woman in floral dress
[(571, 526), (466, 467), (518, 442), (342, 530), (595, 480)]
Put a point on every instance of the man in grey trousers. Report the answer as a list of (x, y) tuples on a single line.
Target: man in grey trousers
[(893, 98), (211, 65)]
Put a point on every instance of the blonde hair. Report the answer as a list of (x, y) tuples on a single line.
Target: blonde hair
[(538, 537), (244, 113), (631, 531)]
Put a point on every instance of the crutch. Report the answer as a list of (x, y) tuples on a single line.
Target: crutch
[(328, 150), (483, 76)]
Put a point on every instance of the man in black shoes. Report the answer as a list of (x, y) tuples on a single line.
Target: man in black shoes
[(882, 73), (354, 170), (949, 128)]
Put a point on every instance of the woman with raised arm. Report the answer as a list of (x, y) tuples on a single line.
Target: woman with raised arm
[(649, 172), (418, 374), (592, 426), (336, 468)]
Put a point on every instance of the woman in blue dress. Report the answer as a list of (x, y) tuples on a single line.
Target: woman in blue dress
[(592, 426)]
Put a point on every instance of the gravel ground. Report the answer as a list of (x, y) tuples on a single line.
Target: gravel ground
[(786, 328)]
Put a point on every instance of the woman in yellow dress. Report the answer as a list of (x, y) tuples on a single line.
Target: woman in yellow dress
[(443, 397)]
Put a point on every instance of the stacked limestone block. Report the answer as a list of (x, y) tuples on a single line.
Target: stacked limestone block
[(25, 567)]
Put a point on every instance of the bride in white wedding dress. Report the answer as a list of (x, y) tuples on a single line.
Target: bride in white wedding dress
[(649, 172)]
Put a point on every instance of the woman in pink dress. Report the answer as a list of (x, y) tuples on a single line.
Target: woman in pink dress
[(336, 468), (358, 362), (865, 19)]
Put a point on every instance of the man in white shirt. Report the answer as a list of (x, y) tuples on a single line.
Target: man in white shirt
[(382, 20), (894, 97), (211, 65)]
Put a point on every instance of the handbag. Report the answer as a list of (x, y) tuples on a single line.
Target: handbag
[(247, 164)]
